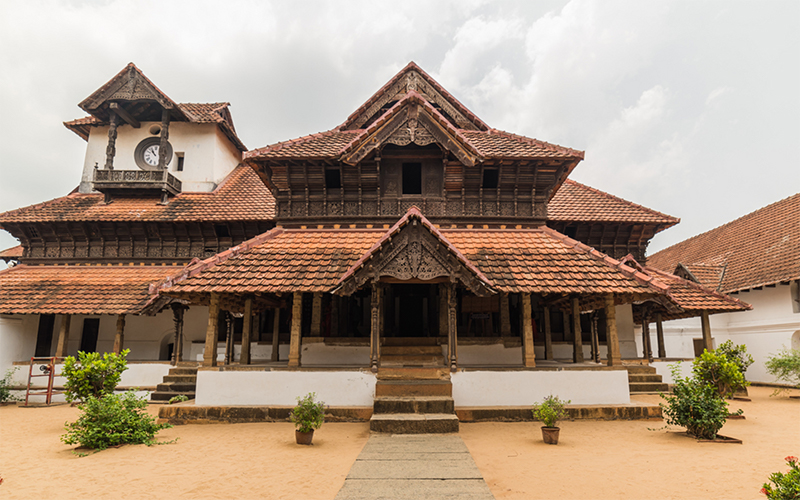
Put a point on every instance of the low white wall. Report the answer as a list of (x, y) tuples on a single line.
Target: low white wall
[(14, 344), (281, 388), (663, 369), (520, 388)]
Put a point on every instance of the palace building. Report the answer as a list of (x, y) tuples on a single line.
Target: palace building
[(411, 251)]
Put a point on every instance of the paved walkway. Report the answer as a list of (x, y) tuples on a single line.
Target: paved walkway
[(414, 466)]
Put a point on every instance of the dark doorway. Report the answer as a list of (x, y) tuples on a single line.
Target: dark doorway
[(413, 310), (44, 339), (91, 326)]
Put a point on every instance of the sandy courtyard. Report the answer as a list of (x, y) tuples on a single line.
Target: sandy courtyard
[(594, 460)]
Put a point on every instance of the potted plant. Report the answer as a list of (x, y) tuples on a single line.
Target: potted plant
[(549, 412), (307, 416)]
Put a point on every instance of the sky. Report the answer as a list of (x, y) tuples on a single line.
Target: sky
[(689, 108)]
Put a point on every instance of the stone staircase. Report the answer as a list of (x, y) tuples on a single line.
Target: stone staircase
[(643, 379), (413, 393), (180, 380)]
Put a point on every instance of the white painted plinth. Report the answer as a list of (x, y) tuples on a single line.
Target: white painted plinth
[(281, 388), (520, 388)]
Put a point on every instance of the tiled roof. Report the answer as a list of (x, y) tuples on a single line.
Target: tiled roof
[(314, 260), (213, 112), (497, 144), (759, 249), (240, 197), (706, 275), (11, 253), (328, 144), (577, 202), (78, 289)]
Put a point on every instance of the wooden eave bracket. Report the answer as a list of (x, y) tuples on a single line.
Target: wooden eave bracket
[(122, 113)]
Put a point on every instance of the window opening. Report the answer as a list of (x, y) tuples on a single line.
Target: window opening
[(221, 230), (33, 232), (333, 178), (179, 166), (412, 178), (490, 178)]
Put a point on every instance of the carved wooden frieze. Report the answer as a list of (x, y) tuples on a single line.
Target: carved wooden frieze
[(411, 133)]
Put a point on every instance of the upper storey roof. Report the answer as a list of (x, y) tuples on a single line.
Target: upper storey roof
[(241, 196), (761, 248), (135, 95)]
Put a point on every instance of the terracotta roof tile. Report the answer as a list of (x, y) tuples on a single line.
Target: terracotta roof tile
[(760, 248), (707, 275), (328, 144), (240, 197), (694, 297), (577, 202), (78, 289), (498, 144), (11, 253)]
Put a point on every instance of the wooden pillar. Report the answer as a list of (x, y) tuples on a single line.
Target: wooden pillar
[(335, 306), (162, 145), (111, 148), (612, 338), (662, 351), (647, 351), (119, 338), (595, 338), (548, 336), (577, 343), (210, 348), (276, 336), (505, 315), (443, 310), (247, 331), (63, 336), (375, 328), (297, 322), (706, 326), (228, 337), (316, 315), (528, 353), (452, 327)]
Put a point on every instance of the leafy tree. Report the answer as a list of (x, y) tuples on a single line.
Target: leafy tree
[(112, 420), (720, 372), (737, 354), (785, 366), (696, 405), (92, 374)]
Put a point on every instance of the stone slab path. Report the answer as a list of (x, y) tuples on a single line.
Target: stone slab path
[(414, 466)]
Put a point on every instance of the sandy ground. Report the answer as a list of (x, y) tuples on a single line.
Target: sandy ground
[(594, 460)]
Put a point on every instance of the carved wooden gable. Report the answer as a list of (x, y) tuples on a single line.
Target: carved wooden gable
[(414, 253), (128, 85)]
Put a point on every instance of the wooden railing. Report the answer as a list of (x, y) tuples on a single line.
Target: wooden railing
[(136, 179)]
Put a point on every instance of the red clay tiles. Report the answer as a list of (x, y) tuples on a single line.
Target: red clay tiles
[(78, 289), (11, 253), (240, 197), (761, 248)]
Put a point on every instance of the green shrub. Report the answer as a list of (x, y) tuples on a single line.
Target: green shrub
[(308, 415), (737, 354), (720, 372), (550, 411), (786, 486), (112, 420), (180, 398), (5, 386), (92, 374), (696, 405), (785, 366)]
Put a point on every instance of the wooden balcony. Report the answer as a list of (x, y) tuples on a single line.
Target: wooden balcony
[(120, 181)]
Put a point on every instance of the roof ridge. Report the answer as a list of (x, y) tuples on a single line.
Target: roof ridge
[(623, 200)]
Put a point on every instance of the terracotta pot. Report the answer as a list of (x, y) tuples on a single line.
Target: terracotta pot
[(303, 437), (550, 434)]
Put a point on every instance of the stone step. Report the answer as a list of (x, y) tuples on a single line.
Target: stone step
[(649, 377), (192, 379), (414, 423), (410, 350), (410, 341), (636, 387), (389, 372), (177, 387), (183, 371), (166, 396), (640, 369), (418, 404), (413, 388)]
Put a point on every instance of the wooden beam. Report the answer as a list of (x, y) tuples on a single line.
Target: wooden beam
[(210, 348), (528, 352), (548, 336), (247, 331), (119, 338), (452, 327), (705, 325), (662, 352), (276, 335), (297, 321), (133, 122), (612, 338), (374, 338), (63, 336), (505, 315), (316, 315), (577, 342)]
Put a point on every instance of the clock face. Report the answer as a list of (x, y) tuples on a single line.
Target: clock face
[(151, 155)]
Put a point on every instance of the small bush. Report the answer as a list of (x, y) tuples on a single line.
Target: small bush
[(92, 374), (308, 415), (784, 486), (180, 398), (5, 387), (550, 411), (695, 405), (785, 366), (112, 420), (737, 354), (716, 369)]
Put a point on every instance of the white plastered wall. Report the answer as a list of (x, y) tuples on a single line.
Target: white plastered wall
[(764, 330), (208, 154)]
